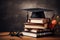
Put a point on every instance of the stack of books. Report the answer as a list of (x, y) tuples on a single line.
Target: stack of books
[(37, 23), (36, 27)]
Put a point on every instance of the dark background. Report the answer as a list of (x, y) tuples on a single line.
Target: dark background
[(12, 18)]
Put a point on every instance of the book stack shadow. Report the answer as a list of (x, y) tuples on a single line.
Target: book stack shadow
[(36, 27)]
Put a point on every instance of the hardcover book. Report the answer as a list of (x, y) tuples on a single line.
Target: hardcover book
[(36, 34), (36, 30), (37, 20), (35, 25)]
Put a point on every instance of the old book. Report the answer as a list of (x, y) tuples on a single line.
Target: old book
[(35, 25), (37, 20), (36, 34), (32, 30), (36, 30)]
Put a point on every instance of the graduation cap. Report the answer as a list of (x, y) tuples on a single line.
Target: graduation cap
[(37, 9), (36, 12)]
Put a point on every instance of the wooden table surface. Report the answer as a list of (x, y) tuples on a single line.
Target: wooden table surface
[(5, 36)]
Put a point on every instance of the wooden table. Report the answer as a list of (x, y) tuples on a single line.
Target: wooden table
[(5, 36)]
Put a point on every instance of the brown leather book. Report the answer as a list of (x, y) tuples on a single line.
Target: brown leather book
[(35, 25)]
